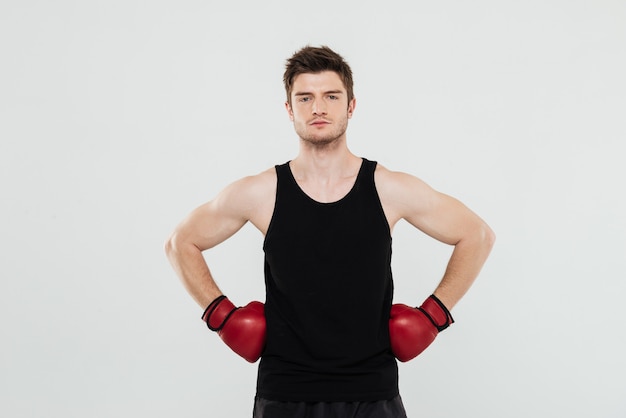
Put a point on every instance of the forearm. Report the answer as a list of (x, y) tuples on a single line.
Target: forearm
[(467, 260), (192, 269)]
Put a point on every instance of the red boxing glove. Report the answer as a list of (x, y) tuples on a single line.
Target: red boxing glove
[(242, 329), (412, 330)]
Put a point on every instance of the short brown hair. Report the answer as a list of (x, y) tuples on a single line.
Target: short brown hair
[(315, 60)]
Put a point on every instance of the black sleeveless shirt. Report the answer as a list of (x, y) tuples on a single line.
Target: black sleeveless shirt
[(328, 295)]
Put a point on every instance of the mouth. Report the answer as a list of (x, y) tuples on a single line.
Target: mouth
[(319, 122)]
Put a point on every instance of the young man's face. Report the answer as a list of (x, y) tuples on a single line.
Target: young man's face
[(319, 107)]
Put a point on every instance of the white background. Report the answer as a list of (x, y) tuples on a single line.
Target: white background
[(119, 117)]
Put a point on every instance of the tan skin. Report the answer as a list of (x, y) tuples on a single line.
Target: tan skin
[(325, 169)]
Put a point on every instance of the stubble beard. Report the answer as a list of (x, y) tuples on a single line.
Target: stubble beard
[(322, 140)]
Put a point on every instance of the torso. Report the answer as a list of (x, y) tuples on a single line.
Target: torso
[(329, 290), (264, 196)]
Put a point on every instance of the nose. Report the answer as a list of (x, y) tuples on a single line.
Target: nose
[(319, 108)]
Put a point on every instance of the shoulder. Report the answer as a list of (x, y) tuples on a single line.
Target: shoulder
[(257, 182), (395, 184), (402, 194), (250, 191)]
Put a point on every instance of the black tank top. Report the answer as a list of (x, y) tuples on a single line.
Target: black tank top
[(328, 295)]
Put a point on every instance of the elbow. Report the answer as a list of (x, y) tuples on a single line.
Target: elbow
[(170, 246), (488, 237), (179, 245)]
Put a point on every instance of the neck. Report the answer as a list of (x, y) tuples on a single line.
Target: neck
[(329, 161)]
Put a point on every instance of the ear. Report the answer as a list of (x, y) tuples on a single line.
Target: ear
[(289, 110), (351, 107)]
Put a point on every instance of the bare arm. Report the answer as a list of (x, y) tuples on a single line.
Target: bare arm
[(445, 219), (249, 199)]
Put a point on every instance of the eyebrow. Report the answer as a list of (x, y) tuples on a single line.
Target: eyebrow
[(306, 93)]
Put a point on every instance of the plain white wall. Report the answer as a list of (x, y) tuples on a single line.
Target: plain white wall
[(119, 117)]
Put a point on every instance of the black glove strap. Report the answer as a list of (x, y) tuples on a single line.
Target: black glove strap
[(212, 306), (449, 319)]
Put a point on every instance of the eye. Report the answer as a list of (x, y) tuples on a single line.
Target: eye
[(333, 97), (304, 99)]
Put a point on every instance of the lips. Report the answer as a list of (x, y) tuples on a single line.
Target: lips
[(319, 122)]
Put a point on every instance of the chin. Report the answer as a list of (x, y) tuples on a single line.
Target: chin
[(319, 141)]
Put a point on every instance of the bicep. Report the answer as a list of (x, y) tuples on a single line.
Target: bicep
[(434, 213), (440, 216), (215, 221)]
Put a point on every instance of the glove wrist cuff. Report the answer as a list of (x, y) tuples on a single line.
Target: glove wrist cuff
[(218, 312), (437, 313)]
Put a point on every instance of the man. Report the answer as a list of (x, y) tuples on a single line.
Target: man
[(328, 335)]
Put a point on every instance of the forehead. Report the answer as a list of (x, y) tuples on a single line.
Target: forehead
[(324, 81)]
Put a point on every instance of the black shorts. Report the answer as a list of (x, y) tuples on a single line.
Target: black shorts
[(392, 408)]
